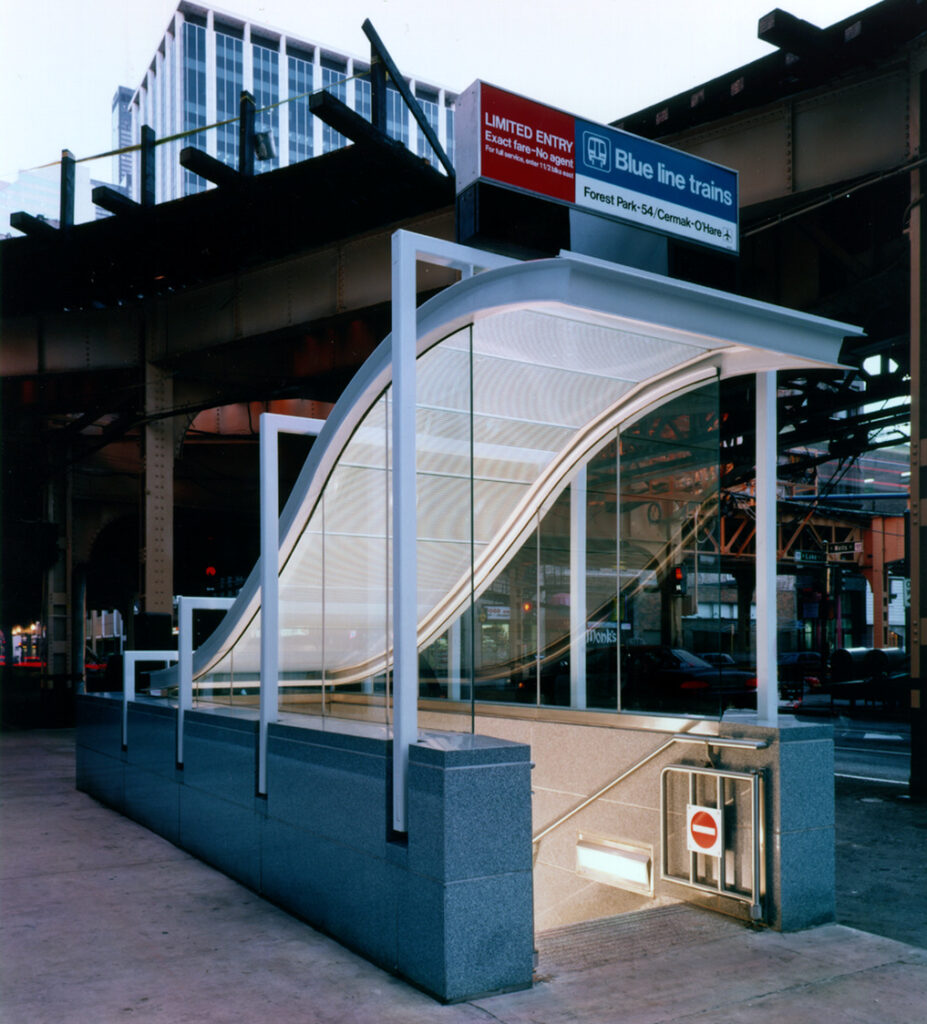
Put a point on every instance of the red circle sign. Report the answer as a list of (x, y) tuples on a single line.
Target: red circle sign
[(703, 829)]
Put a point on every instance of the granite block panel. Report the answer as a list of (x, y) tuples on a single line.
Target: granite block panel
[(101, 776), (222, 833), (291, 873), (331, 790), (468, 938), (805, 883), (806, 785), (342, 891), (153, 800), (98, 722), (152, 738), (469, 821), (220, 756)]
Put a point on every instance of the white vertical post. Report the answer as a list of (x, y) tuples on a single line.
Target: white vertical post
[(271, 424), (767, 691), (405, 576), (185, 608), (407, 249), (578, 617)]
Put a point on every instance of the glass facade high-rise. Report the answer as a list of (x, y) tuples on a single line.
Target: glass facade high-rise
[(193, 87)]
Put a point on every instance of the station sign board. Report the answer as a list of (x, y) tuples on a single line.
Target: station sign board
[(513, 141)]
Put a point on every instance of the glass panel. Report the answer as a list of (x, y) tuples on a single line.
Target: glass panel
[(506, 615), (333, 81), (300, 85), (194, 97), (669, 503), (356, 574), (443, 497), (602, 619), (266, 95), (229, 77), (554, 600), (236, 678)]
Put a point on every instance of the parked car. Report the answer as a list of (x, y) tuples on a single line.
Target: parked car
[(718, 658), (658, 678)]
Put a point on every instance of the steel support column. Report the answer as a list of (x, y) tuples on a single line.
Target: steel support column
[(158, 552)]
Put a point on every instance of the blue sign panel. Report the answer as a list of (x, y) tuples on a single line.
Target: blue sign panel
[(634, 179)]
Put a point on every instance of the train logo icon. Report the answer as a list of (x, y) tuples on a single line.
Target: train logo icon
[(596, 152)]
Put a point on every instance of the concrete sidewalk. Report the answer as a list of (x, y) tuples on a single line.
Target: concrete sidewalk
[(103, 921)]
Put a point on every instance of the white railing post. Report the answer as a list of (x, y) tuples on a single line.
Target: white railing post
[(129, 660), (767, 689), (185, 608), (272, 424)]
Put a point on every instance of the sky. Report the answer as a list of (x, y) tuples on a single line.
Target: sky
[(62, 60)]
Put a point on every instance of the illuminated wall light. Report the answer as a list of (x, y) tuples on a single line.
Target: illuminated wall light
[(615, 863)]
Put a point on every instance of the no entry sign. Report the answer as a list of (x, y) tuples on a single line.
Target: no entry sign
[(703, 830)]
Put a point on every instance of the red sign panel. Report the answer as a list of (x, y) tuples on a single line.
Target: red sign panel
[(525, 144)]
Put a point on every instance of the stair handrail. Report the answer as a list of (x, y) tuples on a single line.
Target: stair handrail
[(680, 737)]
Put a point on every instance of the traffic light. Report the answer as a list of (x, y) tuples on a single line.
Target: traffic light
[(679, 579)]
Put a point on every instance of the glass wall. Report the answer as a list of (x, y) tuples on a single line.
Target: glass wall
[(300, 85), (266, 97), (194, 96), (567, 510), (334, 74), (229, 78)]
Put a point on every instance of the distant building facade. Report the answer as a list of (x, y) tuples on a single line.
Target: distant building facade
[(207, 57), (123, 163)]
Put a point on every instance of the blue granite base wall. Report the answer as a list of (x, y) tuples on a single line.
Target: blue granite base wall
[(449, 908)]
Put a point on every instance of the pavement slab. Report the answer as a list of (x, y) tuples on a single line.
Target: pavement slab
[(103, 921)]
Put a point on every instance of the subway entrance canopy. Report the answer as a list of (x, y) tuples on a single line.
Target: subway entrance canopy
[(499, 542), (507, 526)]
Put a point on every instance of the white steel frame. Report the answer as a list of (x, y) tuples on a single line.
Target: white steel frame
[(129, 660), (272, 424), (408, 249), (185, 609)]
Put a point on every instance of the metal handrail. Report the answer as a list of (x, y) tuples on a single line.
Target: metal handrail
[(683, 737)]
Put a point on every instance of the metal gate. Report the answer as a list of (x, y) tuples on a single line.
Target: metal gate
[(711, 832)]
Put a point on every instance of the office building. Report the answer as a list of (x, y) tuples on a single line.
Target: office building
[(123, 163), (207, 57)]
